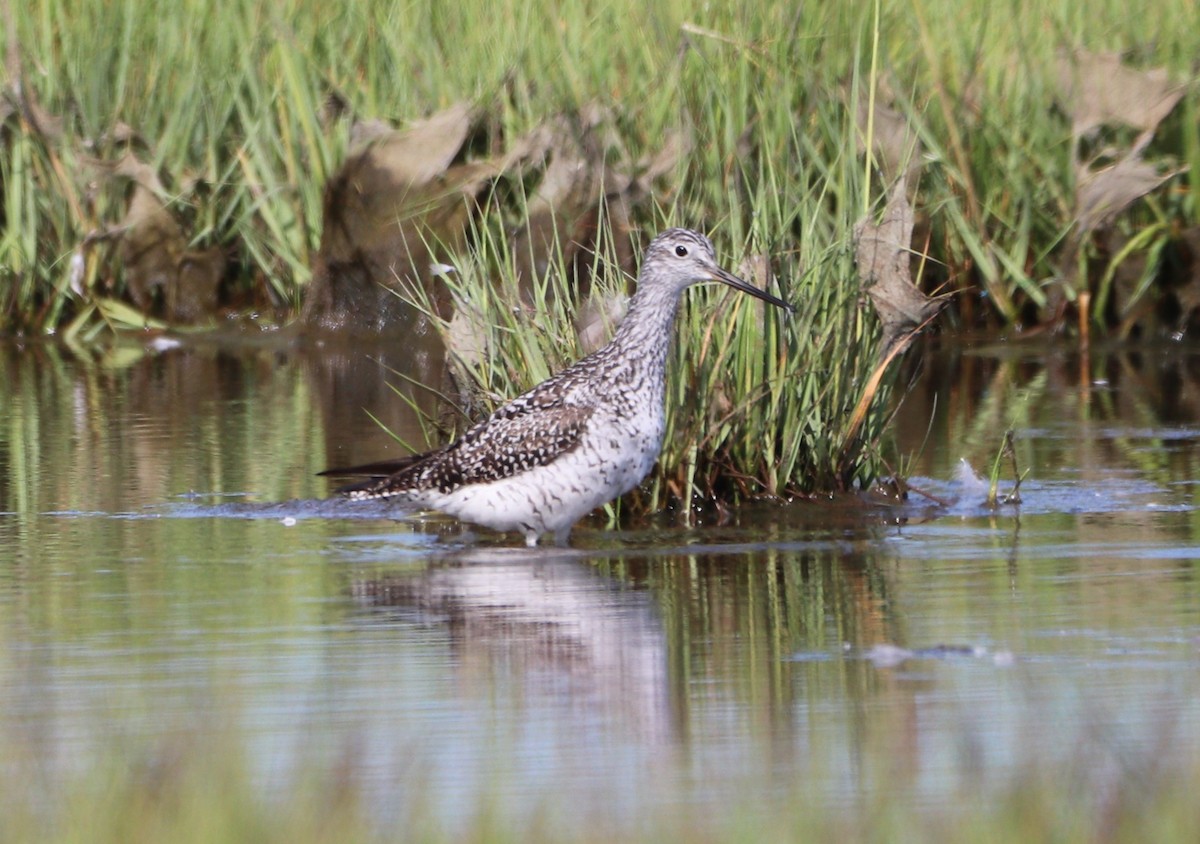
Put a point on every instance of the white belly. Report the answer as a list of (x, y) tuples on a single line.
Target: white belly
[(551, 498)]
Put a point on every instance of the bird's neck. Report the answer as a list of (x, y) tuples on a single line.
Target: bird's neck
[(644, 335)]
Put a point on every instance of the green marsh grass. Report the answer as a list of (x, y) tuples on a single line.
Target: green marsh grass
[(759, 403)]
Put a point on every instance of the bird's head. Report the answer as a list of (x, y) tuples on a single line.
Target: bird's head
[(678, 258)]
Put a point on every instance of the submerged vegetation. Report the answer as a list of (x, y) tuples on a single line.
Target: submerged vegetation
[(240, 159), (200, 786)]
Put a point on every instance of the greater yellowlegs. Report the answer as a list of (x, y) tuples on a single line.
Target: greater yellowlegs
[(577, 440)]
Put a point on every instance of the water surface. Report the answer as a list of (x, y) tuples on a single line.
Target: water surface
[(171, 566)]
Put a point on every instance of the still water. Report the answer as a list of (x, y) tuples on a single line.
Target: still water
[(170, 566)]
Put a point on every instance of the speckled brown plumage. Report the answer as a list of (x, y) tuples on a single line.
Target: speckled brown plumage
[(528, 432)]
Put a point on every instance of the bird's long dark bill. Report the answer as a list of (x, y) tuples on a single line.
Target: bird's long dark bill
[(736, 283)]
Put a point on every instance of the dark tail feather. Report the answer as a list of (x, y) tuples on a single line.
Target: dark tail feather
[(373, 471), (374, 478), (369, 485)]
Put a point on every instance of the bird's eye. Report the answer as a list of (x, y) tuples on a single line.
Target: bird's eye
[(681, 251)]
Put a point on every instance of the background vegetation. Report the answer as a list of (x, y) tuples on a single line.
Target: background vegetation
[(228, 103), (144, 154)]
